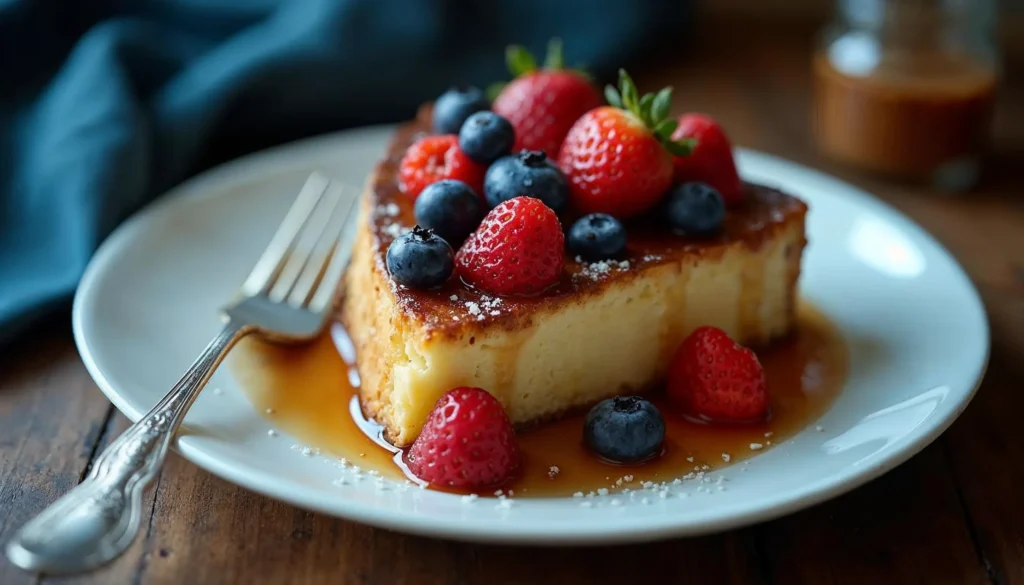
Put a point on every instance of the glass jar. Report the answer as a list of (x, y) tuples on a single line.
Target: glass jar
[(906, 88)]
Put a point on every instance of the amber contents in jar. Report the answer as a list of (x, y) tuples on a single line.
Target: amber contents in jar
[(912, 119), (310, 393)]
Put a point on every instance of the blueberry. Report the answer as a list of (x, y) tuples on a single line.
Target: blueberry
[(455, 105), (529, 173), (485, 136), (597, 236), (451, 208), (420, 259), (624, 429), (695, 209)]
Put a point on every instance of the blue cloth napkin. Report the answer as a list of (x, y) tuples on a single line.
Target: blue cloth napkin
[(106, 104)]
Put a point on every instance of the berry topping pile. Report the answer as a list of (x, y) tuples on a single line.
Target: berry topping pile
[(594, 164), (713, 378), (624, 429), (519, 249), (466, 442)]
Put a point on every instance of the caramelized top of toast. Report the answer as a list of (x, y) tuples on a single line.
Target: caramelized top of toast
[(457, 309)]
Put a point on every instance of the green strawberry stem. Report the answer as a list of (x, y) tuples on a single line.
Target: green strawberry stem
[(520, 61), (652, 109), (555, 59)]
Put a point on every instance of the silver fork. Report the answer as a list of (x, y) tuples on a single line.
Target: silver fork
[(288, 297)]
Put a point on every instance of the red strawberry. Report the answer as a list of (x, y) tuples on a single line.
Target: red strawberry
[(712, 377), (711, 161), (518, 249), (434, 158), (618, 158), (542, 104), (467, 442)]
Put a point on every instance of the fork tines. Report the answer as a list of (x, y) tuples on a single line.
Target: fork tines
[(302, 266)]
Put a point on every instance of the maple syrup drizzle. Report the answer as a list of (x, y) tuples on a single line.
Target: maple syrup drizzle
[(309, 392)]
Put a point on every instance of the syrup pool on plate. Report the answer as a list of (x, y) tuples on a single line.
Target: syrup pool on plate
[(309, 393)]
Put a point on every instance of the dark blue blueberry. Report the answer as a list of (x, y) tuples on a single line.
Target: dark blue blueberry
[(624, 429), (455, 105), (420, 259), (451, 208), (597, 236), (485, 136), (695, 209), (530, 174)]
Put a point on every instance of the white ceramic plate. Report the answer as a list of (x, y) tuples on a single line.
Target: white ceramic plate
[(916, 327)]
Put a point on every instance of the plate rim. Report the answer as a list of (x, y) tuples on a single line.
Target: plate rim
[(290, 154)]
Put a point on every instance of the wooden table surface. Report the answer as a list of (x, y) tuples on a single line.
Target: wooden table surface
[(952, 514)]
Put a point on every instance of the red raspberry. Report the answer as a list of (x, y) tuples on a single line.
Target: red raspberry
[(518, 249), (434, 158), (713, 378), (467, 442)]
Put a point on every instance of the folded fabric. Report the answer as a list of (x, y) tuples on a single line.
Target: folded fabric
[(105, 105)]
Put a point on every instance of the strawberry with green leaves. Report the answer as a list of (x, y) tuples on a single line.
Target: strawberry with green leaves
[(542, 103), (618, 158)]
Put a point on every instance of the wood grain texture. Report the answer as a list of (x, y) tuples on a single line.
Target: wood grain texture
[(129, 567), (240, 535), (952, 514), (51, 417)]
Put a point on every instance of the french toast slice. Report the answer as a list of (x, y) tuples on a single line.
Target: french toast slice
[(606, 328)]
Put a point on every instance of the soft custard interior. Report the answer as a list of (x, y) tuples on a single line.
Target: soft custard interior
[(567, 356)]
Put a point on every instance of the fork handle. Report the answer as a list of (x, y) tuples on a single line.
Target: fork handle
[(99, 518)]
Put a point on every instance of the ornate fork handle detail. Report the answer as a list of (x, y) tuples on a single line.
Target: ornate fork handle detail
[(99, 518)]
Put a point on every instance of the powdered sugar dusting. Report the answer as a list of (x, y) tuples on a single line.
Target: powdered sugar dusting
[(597, 270), (474, 310), (388, 210), (395, 230), (481, 308)]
